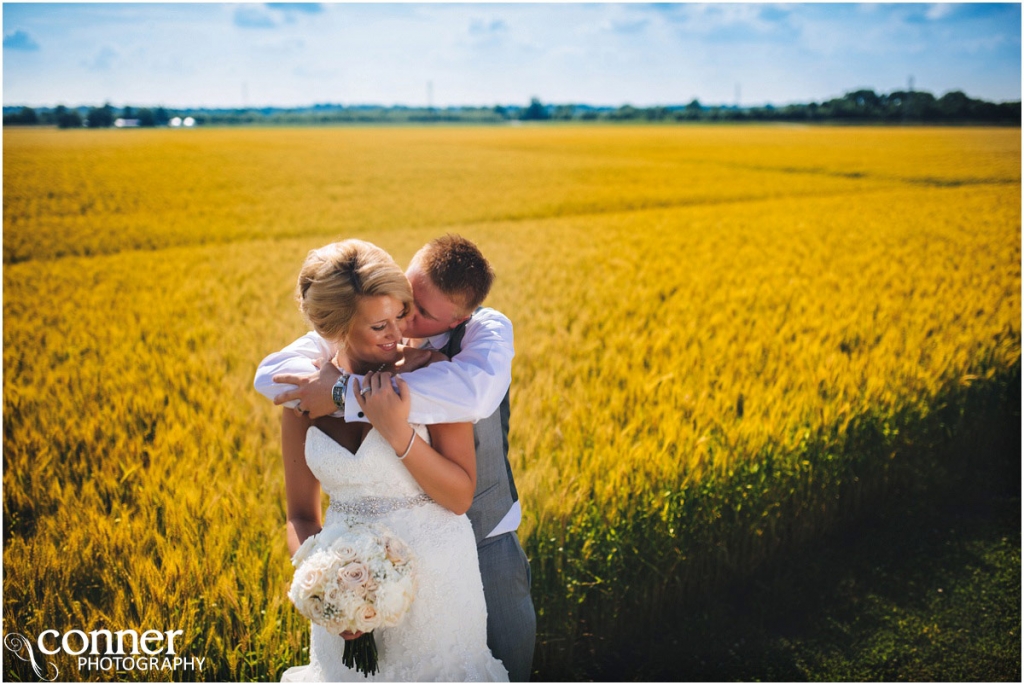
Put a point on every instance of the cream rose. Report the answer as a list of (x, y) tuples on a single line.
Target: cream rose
[(354, 578), (367, 618), (398, 553), (354, 575), (313, 607), (333, 595)]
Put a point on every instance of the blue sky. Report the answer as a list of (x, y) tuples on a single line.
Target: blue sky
[(232, 55)]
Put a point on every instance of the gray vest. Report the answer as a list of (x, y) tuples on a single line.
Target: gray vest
[(495, 489)]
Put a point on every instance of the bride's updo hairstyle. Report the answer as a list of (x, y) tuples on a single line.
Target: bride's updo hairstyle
[(335, 277)]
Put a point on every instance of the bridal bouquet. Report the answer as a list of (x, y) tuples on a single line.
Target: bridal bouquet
[(355, 577)]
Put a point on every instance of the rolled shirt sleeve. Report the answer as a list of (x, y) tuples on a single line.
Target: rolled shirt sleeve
[(470, 386), (296, 359)]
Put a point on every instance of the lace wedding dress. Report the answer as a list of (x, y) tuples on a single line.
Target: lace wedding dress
[(444, 635)]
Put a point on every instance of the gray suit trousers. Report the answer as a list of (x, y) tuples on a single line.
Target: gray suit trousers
[(511, 620)]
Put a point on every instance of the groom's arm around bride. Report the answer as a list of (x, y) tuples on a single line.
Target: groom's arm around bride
[(450, 279)]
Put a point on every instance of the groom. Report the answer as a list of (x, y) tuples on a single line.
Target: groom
[(450, 278)]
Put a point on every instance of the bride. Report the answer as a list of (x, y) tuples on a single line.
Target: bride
[(416, 480)]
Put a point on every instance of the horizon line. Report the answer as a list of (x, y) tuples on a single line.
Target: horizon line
[(248, 107)]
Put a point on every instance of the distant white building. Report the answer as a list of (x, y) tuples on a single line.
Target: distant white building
[(126, 123)]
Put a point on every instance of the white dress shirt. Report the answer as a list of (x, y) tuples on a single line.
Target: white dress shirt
[(466, 389)]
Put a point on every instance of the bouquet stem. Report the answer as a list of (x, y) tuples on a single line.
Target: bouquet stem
[(361, 654)]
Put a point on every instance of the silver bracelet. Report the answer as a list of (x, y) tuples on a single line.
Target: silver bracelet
[(409, 448)]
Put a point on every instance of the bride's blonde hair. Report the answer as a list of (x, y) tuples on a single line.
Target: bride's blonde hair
[(334, 278)]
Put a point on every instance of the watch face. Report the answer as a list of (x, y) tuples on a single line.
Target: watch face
[(338, 392)]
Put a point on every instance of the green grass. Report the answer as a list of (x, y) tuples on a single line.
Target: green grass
[(926, 588)]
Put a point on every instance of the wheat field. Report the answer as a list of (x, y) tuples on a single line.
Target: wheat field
[(727, 338)]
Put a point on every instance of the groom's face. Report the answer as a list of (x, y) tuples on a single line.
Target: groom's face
[(432, 311)]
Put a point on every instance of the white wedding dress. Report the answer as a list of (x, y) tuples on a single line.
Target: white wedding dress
[(444, 635)]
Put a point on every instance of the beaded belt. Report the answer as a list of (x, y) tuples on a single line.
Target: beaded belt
[(378, 506)]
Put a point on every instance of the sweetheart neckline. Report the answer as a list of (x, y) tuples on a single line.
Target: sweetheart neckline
[(339, 445), (419, 428)]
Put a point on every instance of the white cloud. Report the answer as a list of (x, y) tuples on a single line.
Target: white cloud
[(709, 19), (940, 11)]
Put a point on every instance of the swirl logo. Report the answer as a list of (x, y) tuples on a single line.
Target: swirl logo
[(18, 643)]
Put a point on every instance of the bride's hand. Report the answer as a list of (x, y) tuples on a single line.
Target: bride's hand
[(351, 636), (386, 410)]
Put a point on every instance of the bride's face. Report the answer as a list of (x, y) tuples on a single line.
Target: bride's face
[(376, 330)]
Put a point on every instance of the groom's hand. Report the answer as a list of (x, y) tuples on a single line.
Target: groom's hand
[(313, 392)]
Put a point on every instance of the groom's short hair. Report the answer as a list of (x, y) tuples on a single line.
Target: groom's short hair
[(458, 269)]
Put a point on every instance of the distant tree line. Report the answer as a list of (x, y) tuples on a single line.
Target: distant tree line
[(860, 106), (856, 107), (336, 114), (93, 117)]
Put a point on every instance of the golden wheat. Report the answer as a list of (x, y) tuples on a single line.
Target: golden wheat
[(689, 303)]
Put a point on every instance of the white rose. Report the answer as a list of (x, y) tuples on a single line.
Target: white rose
[(296, 596), (309, 578), (343, 552), (391, 604), (331, 533), (350, 604)]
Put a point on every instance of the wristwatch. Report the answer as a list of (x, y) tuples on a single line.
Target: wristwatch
[(339, 390)]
